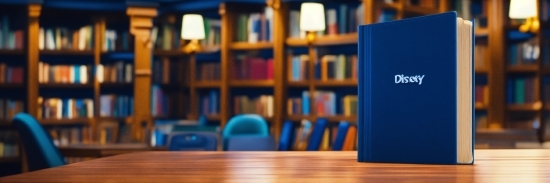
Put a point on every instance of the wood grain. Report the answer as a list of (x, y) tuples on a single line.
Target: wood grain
[(327, 166)]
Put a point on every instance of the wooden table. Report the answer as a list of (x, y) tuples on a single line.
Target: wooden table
[(490, 166), (104, 150)]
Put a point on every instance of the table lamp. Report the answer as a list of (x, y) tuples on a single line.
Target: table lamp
[(192, 28), (312, 19), (525, 9)]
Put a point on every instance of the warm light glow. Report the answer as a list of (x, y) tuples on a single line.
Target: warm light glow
[(312, 17), (522, 9), (192, 27)]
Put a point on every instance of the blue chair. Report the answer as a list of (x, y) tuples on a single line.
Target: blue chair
[(192, 141), (244, 125), (251, 143), (40, 151)]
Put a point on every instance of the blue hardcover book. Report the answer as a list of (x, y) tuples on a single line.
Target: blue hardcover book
[(416, 102), (317, 135), (340, 136), (305, 102), (285, 141)]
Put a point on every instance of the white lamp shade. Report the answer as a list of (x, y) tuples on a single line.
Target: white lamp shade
[(522, 9), (312, 17), (192, 27)]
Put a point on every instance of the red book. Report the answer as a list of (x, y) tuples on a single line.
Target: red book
[(257, 69), (18, 35), (270, 68), (479, 93), (17, 75)]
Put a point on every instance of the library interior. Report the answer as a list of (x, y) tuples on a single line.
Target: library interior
[(97, 81)]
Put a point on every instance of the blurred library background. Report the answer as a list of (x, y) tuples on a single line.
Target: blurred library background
[(108, 77)]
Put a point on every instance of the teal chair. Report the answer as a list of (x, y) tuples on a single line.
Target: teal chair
[(40, 151), (244, 125)]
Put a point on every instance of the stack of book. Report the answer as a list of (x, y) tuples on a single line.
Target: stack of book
[(61, 38), (167, 37), (9, 108), (209, 72), (10, 39), (9, 146), (294, 106), (11, 74), (349, 105), (339, 20), (68, 108), (112, 105), (338, 67), (250, 68), (63, 73), (262, 105), (71, 135), (118, 72), (482, 94), (210, 103), (212, 32), (525, 53), (255, 27), (480, 55), (166, 71), (299, 68), (339, 138), (115, 41), (521, 90)]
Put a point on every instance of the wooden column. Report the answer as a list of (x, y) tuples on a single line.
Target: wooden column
[(193, 94), (497, 106), (32, 59), (369, 11), (140, 26), (226, 38), (279, 91)]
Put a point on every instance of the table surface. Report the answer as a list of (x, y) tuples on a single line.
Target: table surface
[(103, 150), (328, 166)]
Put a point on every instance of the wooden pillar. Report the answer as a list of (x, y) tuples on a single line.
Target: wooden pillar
[(497, 106), (279, 34), (369, 11), (226, 39), (32, 58), (140, 26)]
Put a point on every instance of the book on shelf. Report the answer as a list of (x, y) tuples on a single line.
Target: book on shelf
[(299, 67), (10, 107), (165, 104), (112, 105), (166, 71), (255, 27), (481, 55), (318, 136), (294, 106), (425, 98), (209, 72), (302, 135), (117, 41), (482, 94), (212, 32), (349, 105), (9, 146), (472, 9), (340, 19), (10, 39), (252, 68), (525, 53), (481, 121), (338, 67), (11, 74), (262, 105), (118, 72), (386, 15), (210, 103), (65, 108), (325, 103), (62, 38), (74, 74), (520, 90), (63, 136)]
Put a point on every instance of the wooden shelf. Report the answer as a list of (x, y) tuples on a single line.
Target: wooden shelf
[(209, 49), (9, 159), (168, 53), (65, 85), (300, 117), (522, 68), (336, 118), (11, 52), (252, 83), (120, 119), (116, 85), (64, 121), (327, 40), (393, 6), (481, 32), (480, 106), (251, 46), (336, 83), (172, 85), (213, 117), (419, 10), (67, 52), (208, 84), (524, 107), (298, 83), (12, 85), (481, 71)]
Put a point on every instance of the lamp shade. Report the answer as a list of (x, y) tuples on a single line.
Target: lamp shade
[(192, 27), (521, 9), (312, 17)]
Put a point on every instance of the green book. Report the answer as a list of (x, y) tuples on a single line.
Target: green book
[(206, 31), (520, 91), (166, 37), (340, 65)]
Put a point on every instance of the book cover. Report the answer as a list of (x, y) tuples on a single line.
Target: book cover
[(415, 91)]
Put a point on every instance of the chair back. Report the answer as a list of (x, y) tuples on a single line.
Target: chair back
[(40, 151), (251, 143), (244, 125), (192, 141)]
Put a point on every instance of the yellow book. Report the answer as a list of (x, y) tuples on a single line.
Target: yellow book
[(325, 143)]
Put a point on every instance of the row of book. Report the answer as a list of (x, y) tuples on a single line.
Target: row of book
[(167, 71), (166, 103), (112, 105), (167, 36), (252, 68), (210, 103), (296, 105), (481, 94), (299, 69), (10, 107), (118, 72), (209, 72), (66, 108), (63, 73), (520, 90), (9, 146), (481, 55), (62, 38), (525, 53), (10, 39), (71, 135), (338, 67), (337, 138), (11, 74), (115, 41), (255, 27), (212, 32), (262, 105), (341, 20)]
